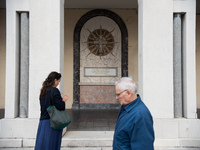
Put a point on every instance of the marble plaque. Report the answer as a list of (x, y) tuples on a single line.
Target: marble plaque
[(98, 95), (96, 27), (100, 72)]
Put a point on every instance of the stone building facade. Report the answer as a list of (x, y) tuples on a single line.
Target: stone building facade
[(156, 42)]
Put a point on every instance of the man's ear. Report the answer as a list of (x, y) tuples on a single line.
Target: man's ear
[(129, 93)]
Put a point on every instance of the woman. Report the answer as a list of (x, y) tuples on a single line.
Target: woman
[(47, 137)]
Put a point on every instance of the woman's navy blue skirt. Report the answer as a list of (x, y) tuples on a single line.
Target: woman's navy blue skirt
[(47, 137)]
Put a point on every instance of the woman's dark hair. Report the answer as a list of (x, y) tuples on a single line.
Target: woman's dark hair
[(49, 82)]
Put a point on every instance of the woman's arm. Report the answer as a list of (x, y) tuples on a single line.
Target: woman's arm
[(57, 99)]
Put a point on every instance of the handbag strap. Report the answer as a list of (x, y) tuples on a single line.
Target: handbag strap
[(51, 102)]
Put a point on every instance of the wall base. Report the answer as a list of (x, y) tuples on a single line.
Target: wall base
[(169, 133), (96, 106), (17, 128)]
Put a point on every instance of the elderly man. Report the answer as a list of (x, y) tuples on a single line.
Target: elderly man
[(134, 127)]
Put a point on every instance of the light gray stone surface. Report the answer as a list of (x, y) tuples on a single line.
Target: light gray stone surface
[(177, 65), (24, 64)]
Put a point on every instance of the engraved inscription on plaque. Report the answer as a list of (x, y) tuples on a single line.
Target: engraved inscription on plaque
[(100, 72)]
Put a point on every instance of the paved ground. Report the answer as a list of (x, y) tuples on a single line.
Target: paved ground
[(93, 120)]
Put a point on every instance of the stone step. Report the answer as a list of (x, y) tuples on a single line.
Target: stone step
[(88, 139), (97, 140), (102, 148)]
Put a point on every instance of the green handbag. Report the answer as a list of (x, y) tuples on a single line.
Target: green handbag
[(59, 118)]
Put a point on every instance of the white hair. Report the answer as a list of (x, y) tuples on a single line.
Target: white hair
[(126, 83)]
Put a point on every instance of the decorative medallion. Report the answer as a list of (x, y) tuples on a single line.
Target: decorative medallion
[(100, 42)]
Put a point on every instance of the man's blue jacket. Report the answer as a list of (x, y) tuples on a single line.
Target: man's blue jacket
[(134, 128)]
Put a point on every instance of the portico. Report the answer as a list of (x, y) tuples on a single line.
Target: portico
[(145, 34)]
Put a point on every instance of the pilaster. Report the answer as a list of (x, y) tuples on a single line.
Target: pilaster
[(155, 56), (188, 9)]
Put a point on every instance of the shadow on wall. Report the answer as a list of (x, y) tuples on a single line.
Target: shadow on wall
[(198, 113), (1, 113)]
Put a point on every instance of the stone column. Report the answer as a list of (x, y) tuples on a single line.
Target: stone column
[(177, 65), (24, 64)]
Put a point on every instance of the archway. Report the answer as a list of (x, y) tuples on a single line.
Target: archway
[(76, 45)]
